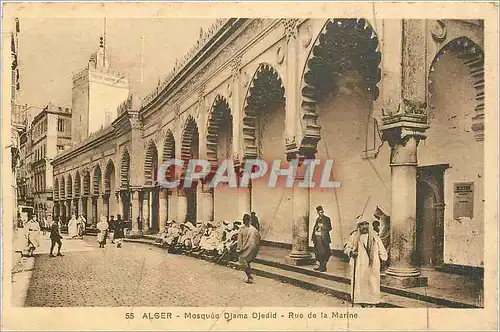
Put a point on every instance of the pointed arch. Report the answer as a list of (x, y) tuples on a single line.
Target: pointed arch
[(86, 184), (169, 153), (219, 115), (109, 178), (62, 188), (69, 187), (125, 170), (190, 142), (96, 180), (151, 164), (168, 146), (77, 185), (266, 89), (344, 46), (472, 56), (56, 188)]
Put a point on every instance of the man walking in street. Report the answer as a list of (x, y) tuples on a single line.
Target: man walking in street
[(111, 228), (248, 246), (321, 239), (103, 227), (55, 238), (119, 231), (366, 250), (32, 236)]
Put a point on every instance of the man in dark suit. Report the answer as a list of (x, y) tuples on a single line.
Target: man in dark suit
[(254, 220), (55, 238), (321, 239)]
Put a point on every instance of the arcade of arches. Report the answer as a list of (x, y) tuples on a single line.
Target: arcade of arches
[(340, 89)]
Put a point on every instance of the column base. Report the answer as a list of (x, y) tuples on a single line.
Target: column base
[(135, 233), (299, 259), (403, 282)]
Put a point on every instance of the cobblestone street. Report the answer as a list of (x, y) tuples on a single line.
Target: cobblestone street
[(138, 275)]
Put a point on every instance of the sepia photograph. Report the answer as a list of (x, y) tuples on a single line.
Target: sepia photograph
[(183, 163)]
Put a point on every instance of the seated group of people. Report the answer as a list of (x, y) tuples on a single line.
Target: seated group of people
[(216, 239)]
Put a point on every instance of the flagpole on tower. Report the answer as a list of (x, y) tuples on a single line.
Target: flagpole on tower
[(142, 59), (104, 40)]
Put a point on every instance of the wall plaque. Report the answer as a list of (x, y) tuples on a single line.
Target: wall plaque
[(463, 200)]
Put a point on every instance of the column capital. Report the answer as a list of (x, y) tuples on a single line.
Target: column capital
[(181, 192), (163, 193), (205, 188), (406, 112), (408, 121)]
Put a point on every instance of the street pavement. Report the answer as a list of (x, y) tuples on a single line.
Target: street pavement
[(138, 275)]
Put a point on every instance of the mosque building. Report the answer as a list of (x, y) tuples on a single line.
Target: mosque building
[(373, 96)]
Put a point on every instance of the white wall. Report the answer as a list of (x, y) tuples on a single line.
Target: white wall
[(343, 118), (104, 97), (450, 140)]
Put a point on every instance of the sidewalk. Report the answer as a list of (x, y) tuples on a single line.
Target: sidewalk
[(22, 267), (444, 289)]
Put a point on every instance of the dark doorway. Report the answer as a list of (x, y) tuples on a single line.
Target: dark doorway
[(191, 205), (430, 215)]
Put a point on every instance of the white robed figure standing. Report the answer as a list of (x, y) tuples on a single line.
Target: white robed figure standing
[(366, 250), (73, 227)]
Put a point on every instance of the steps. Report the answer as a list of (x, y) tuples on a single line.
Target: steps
[(335, 288), (430, 300)]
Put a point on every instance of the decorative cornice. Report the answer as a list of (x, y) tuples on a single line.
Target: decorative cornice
[(205, 38), (235, 66), (231, 45)]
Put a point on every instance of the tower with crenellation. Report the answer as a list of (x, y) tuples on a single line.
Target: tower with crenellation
[(97, 92)]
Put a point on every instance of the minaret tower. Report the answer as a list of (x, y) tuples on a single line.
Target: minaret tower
[(97, 93)]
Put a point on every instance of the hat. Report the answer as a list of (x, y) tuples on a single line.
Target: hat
[(319, 208), (360, 220), (379, 213)]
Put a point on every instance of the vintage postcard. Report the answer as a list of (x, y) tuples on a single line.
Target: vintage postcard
[(249, 166)]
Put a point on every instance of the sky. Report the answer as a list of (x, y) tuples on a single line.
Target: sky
[(51, 50)]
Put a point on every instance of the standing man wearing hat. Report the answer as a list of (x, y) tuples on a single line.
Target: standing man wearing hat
[(321, 239), (365, 250)]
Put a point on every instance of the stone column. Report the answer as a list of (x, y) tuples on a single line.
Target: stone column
[(119, 204), (404, 122), (56, 209), (105, 205), (244, 200), (134, 198), (162, 209), (146, 210), (150, 206), (95, 210), (207, 202), (300, 254), (182, 205), (69, 208), (80, 205), (88, 209), (171, 207), (403, 140)]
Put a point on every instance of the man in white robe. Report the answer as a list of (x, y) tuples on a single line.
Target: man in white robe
[(366, 250), (73, 227)]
